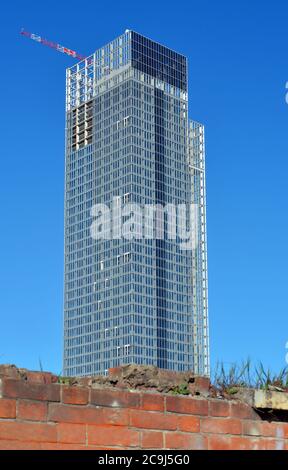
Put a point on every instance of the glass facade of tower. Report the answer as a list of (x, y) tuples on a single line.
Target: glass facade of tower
[(138, 300)]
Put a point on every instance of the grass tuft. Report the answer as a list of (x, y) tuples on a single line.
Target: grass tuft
[(245, 375)]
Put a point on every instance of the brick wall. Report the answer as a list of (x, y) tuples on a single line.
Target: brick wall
[(37, 412)]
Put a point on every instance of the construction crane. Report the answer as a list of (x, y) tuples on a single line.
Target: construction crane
[(53, 45)]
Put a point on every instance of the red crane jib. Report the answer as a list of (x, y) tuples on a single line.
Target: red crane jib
[(53, 45)]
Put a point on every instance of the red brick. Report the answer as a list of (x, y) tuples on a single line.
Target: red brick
[(185, 405), (62, 446), (32, 410), (153, 420), (115, 371), (185, 441), (200, 385), (22, 374), (152, 402), (18, 445), (239, 443), (152, 440), (9, 371), (202, 382), (28, 432), (71, 433), (31, 391), (285, 427), (176, 440), (219, 408), (243, 411), (75, 395), (112, 436), (7, 408), (102, 447), (115, 398), (219, 442), (39, 377), (221, 426), (89, 415), (272, 429), (189, 423)]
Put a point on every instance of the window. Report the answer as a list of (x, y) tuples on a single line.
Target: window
[(126, 349)]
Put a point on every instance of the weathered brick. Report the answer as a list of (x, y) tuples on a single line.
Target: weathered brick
[(29, 390), (120, 419), (71, 433), (275, 429), (153, 420), (39, 377), (221, 425), (120, 385), (13, 372), (168, 375), (105, 447), (239, 443), (219, 442), (28, 432), (177, 441), (219, 408), (112, 436), (7, 370), (274, 444), (7, 408), (285, 427), (198, 442), (200, 385), (152, 402), (189, 423), (61, 446), (89, 415), (32, 410), (272, 429), (84, 381), (187, 405), (115, 398), (115, 371), (246, 443), (185, 441), (75, 395), (152, 440), (252, 428), (19, 445), (242, 411)]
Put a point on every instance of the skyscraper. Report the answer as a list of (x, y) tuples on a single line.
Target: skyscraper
[(140, 299)]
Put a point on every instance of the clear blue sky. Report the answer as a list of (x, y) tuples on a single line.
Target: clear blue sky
[(238, 68)]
